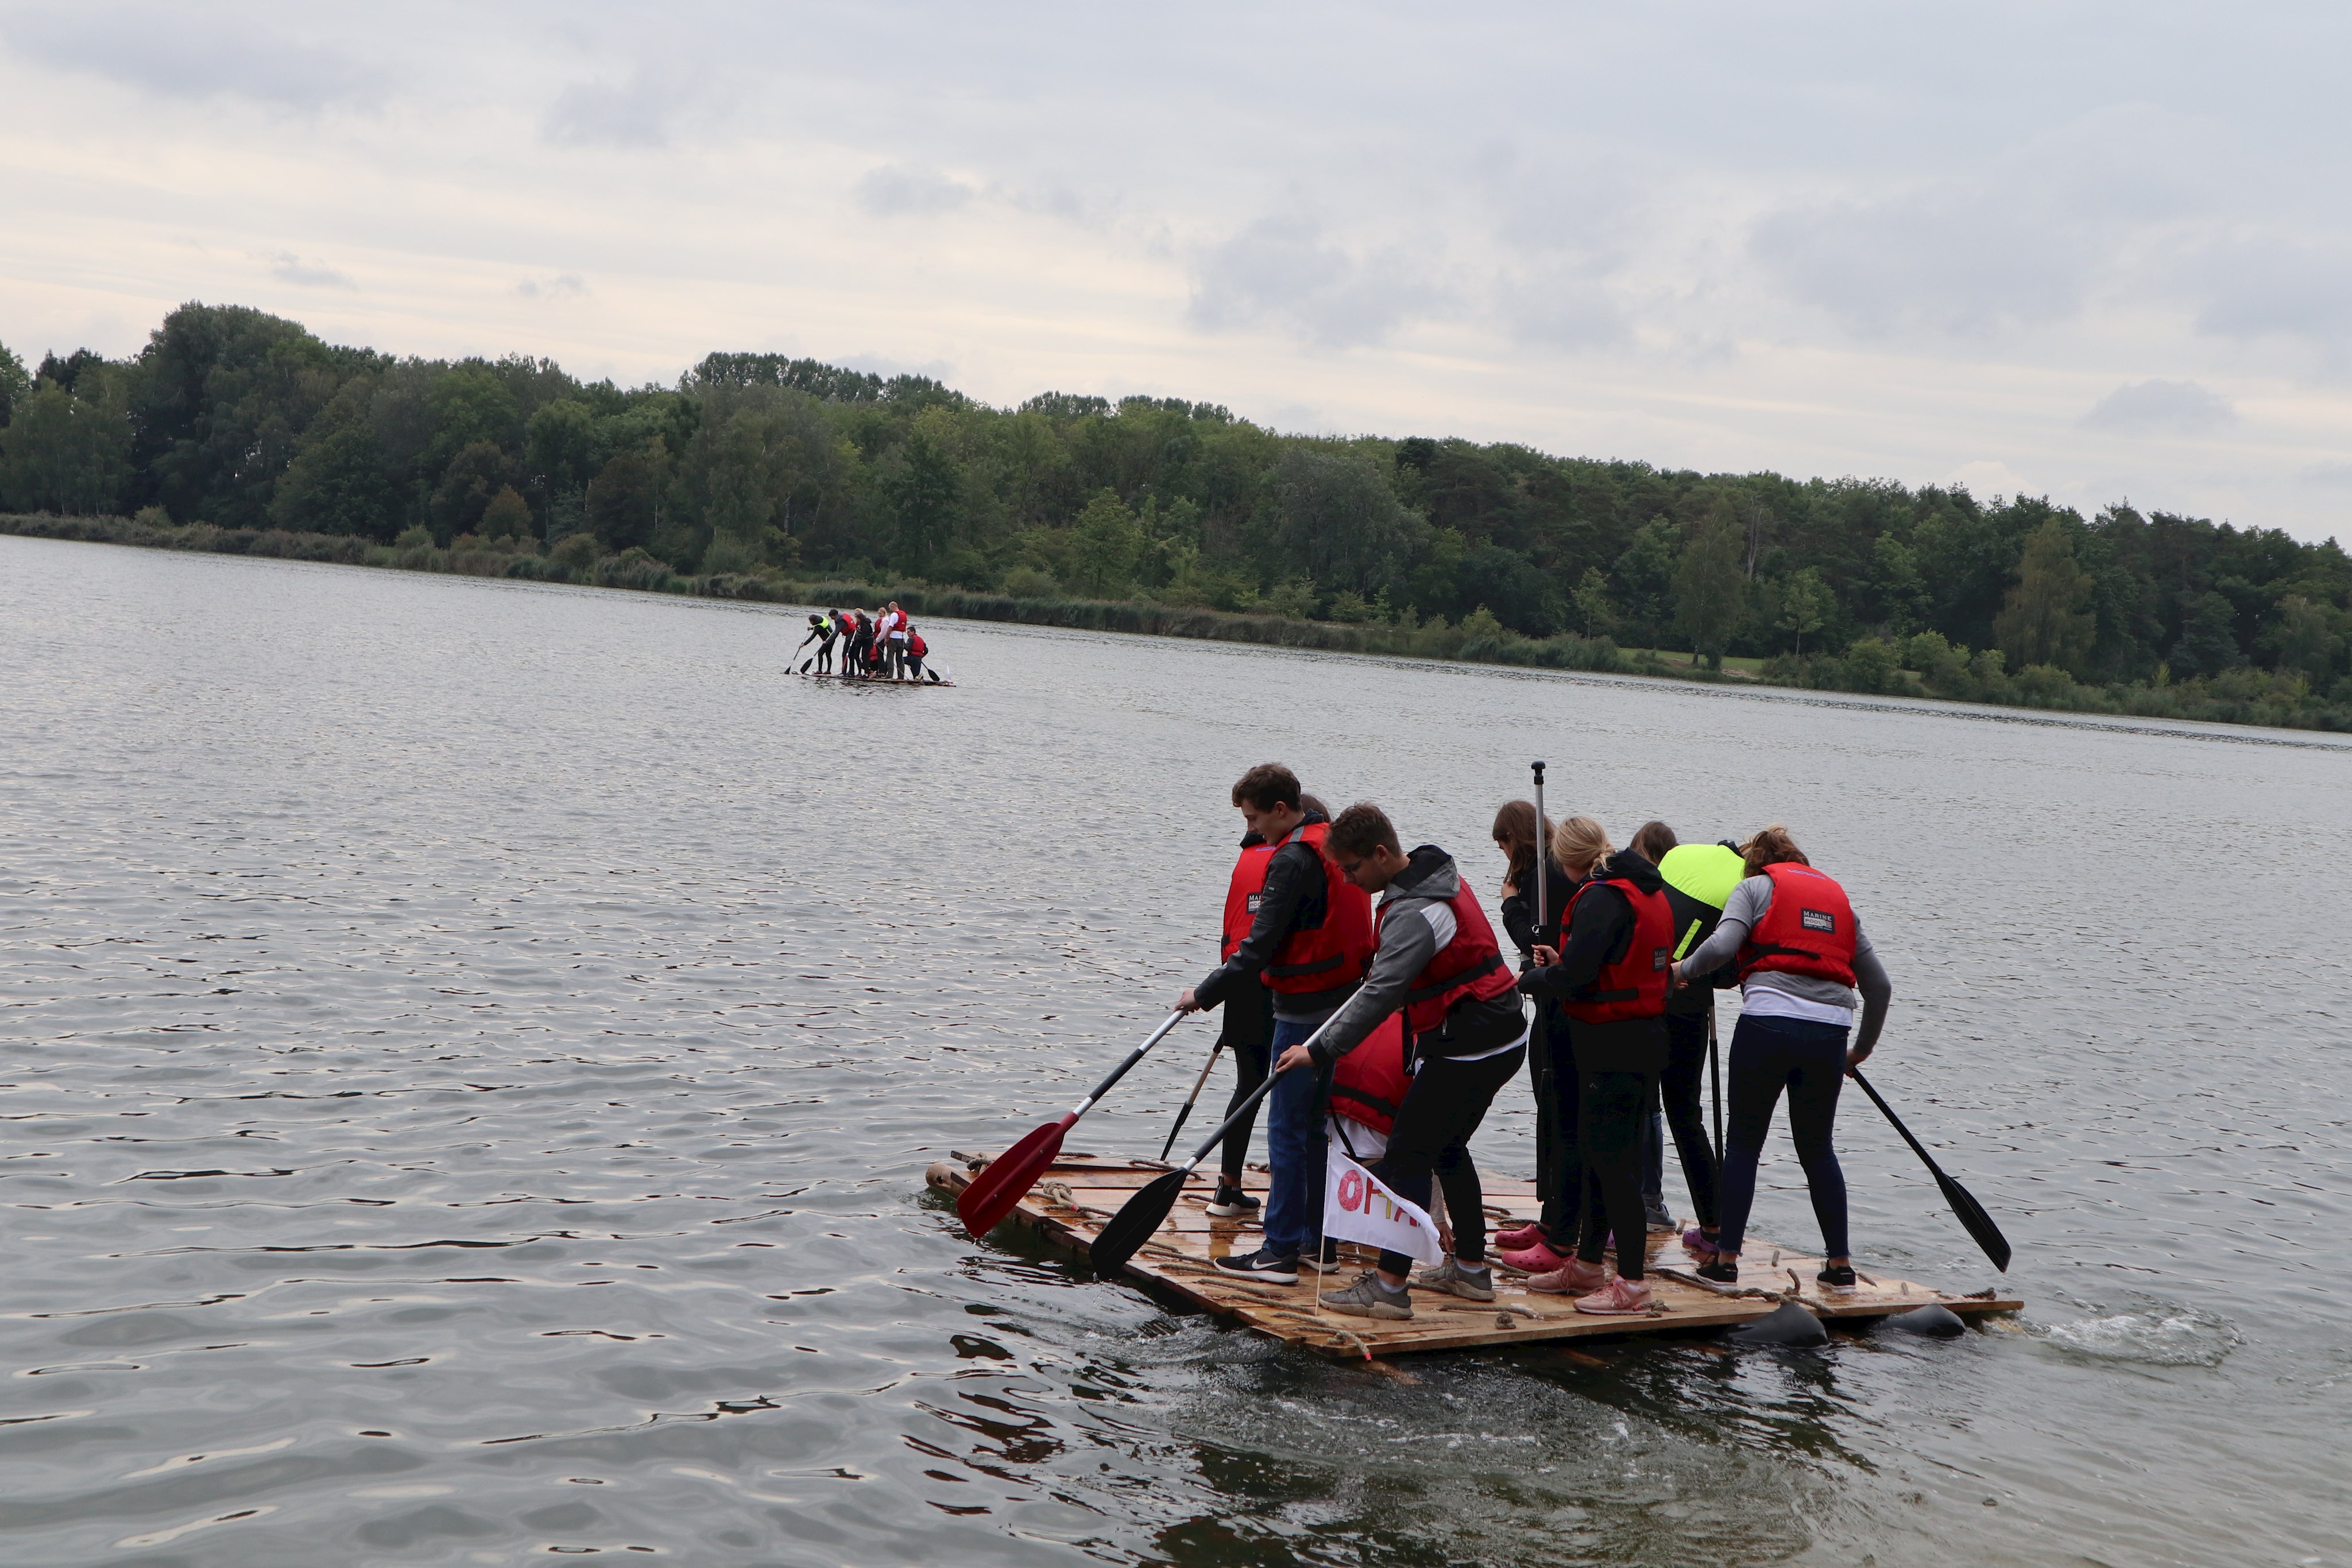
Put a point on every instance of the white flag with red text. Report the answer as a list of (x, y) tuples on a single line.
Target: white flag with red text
[(1358, 1208)]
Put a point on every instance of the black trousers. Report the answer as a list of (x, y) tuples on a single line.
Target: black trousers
[(1559, 1163), (1616, 1111), (1443, 1108), (1250, 1061), (1679, 1087)]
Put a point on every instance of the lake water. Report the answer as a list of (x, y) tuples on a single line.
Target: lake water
[(472, 1050)]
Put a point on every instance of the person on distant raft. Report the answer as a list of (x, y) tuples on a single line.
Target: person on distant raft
[(1304, 933), (1610, 975), (1434, 958), (916, 651), (1801, 955), (893, 640), (854, 656), (822, 634)]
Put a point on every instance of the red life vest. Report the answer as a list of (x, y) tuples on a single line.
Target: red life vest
[(1468, 969), (1808, 930), (915, 643), (1333, 953), (1634, 985), (1367, 1084), (1241, 895)]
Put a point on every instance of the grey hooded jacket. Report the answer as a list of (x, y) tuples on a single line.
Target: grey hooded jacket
[(1411, 914)]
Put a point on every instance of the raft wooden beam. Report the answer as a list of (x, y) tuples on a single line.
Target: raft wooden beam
[(1071, 1202)]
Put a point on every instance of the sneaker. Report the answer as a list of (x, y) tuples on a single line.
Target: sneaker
[(1618, 1298), (1658, 1218), (1453, 1279), (1230, 1201), (1368, 1298), (1519, 1238), (1274, 1268), (1719, 1270), (1695, 1241), (1538, 1259), (1574, 1278), (1840, 1277), (1326, 1261)]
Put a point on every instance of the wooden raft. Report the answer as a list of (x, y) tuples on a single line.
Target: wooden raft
[(1071, 1202)]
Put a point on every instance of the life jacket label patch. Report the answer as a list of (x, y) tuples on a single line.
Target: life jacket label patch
[(1660, 957), (1818, 920), (1255, 900)]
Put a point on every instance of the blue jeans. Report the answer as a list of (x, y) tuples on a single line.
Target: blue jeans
[(1293, 1148)]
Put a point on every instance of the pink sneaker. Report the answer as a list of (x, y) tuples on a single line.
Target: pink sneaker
[(1518, 1237), (1574, 1278), (1618, 1298), (1538, 1259)]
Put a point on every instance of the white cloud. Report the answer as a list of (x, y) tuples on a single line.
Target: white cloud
[(2161, 408), (288, 268), (173, 51), (1283, 273), (901, 190)]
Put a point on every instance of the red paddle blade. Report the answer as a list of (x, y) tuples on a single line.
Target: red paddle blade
[(1007, 1178)]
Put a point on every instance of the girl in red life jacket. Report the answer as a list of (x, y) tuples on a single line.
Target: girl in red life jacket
[(1801, 958), (1552, 1072), (1610, 975)]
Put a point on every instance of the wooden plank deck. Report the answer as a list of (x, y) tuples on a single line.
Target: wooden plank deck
[(1080, 1192)]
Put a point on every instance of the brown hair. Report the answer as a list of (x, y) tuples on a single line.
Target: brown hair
[(1313, 806), (1578, 842), (1361, 829), (1771, 846), (1515, 829), (1267, 785), (1652, 840)]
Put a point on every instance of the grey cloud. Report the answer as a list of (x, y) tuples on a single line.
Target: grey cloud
[(565, 286), (288, 268), (2335, 475), (2160, 408), (1282, 274), (176, 52), (902, 189), (639, 113), (2278, 287)]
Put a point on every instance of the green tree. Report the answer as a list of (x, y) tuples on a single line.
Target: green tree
[(2047, 617), (1644, 576), (2207, 644), (475, 475), (1805, 603), (1596, 612), (2305, 637), (1710, 585), (15, 384), (336, 481), (67, 452), (219, 400), (924, 491), (507, 516), (624, 498), (1896, 590), (1105, 544), (1341, 523)]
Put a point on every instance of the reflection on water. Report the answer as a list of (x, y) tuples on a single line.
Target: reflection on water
[(473, 1049)]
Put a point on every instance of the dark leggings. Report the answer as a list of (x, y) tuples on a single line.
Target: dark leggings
[(1442, 1109), (1250, 1058), (1679, 1087), (1808, 1059), (1559, 1168), (1616, 1111)]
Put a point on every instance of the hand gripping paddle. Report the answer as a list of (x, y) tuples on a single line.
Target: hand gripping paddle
[(1142, 1215), (1007, 1178), (1971, 1213)]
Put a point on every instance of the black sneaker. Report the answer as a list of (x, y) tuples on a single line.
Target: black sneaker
[(1720, 1269), (1841, 1276), (1231, 1202), (1275, 1268), (1328, 1260)]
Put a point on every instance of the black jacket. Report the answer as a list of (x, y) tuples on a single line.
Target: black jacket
[(1598, 935), (1294, 899), (1520, 911)]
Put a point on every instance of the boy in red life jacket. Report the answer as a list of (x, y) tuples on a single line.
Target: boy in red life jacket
[(915, 649), (1436, 960), (1303, 934)]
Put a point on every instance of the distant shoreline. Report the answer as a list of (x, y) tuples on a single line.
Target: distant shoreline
[(1870, 668)]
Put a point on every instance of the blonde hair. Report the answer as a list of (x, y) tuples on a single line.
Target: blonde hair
[(1577, 844), (1771, 846)]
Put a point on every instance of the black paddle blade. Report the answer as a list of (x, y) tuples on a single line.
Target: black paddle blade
[(1975, 1221), (1180, 1117), (1136, 1219)]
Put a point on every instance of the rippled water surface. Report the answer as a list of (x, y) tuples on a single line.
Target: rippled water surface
[(472, 1050)]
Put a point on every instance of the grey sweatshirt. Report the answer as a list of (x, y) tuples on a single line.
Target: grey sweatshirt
[(1411, 914), (1742, 910)]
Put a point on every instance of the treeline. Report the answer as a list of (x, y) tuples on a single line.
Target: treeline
[(758, 466)]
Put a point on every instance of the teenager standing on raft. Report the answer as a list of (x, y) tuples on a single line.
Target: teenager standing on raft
[(1802, 956), (1612, 978), (1308, 935), (1434, 956), (1690, 1013), (1552, 1072)]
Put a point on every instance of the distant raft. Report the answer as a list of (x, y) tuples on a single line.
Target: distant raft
[(928, 678)]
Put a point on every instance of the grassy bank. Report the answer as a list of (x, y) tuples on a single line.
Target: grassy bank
[(1921, 667)]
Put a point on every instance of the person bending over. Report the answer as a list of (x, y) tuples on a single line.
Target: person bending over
[(1611, 978), (1307, 936), (1436, 958), (1801, 956)]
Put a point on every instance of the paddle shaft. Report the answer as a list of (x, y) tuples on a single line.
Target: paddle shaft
[(1972, 1216), (1206, 1068)]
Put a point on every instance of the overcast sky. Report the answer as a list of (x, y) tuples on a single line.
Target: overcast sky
[(2088, 251)]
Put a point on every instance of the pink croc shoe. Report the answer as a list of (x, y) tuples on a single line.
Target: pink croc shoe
[(1695, 1242), (1620, 1298), (1574, 1278), (1538, 1259), (1518, 1237)]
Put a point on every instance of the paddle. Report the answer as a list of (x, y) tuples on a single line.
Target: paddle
[(1197, 1083), (1977, 1223), (1008, 1177), (1715, 1079), (1142, 1215)]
